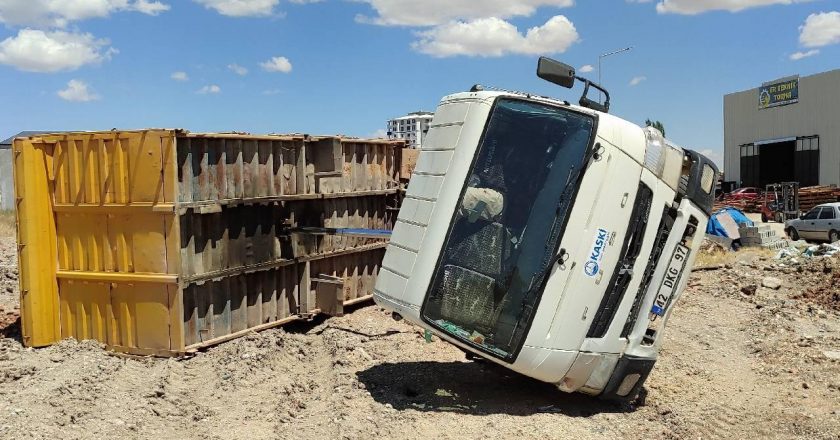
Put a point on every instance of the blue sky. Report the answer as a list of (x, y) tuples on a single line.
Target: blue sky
[(345, 67)]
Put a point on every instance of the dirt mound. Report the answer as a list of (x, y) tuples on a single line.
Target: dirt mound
[(9, 323), (819, 281), (8, 273), (825, 294)]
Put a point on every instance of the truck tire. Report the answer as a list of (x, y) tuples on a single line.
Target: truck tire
[(793, 234), (764, 218), (780, 217)]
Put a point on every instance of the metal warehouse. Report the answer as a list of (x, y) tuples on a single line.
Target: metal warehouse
[(7, 189), (787, 130)]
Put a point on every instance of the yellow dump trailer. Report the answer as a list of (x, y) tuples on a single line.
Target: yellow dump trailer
[(161, 242)]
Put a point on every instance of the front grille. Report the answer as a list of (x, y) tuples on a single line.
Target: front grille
[(665, 226), (623, 273), (684, 183)]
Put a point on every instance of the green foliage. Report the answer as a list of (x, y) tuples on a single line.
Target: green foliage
[(657, 125)]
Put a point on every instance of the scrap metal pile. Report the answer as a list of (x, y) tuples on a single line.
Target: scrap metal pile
[(745, 205), (809, 197)]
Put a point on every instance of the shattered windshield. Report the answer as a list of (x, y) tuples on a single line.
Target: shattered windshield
[(488, 281)]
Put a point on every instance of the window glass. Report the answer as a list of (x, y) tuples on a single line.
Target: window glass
[(507, 226), (812, 215), (827, 214)]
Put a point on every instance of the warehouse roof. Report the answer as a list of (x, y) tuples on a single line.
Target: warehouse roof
[(7, 144)]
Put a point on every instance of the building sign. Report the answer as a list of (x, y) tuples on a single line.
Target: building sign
[(776, 93)]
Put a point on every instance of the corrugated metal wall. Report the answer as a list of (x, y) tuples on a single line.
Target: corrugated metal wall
[(7, 188), (163, 241), (816, 113)]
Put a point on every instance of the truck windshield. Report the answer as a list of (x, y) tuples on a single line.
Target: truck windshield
[(505, 229)]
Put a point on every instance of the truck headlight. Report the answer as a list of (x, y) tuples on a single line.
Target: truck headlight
[(663, 158)]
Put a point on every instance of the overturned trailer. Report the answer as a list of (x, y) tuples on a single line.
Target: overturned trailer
[(161, 242)]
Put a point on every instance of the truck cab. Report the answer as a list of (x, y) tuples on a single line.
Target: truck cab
[(550, 238)]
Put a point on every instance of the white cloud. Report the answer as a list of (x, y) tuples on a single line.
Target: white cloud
[(59, 13), (586, 69), (436, 12), (820, 29), (77, 91), (209, 90), (796, 56), (241, 8), (637, 80), (692, 7), (494, 37), (715, 155), (38, 51), (379, 134), (180, 76), (272, 92), (277, 64), (149, 7), (237, 69)]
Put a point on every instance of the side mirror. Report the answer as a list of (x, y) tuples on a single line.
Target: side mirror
[(556, 72), (563, 75)]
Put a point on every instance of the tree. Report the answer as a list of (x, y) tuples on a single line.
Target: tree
[(657, 125)]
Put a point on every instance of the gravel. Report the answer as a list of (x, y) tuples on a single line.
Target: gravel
[(762, 365)]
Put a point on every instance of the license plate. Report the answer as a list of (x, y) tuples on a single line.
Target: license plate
[(671, 281)]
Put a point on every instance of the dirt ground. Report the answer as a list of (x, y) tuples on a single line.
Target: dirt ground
[(9, 301), (740, 361)]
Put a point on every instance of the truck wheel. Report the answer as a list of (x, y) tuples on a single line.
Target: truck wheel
[(764, 218), (780, 217), (833, 237), (793, 234)]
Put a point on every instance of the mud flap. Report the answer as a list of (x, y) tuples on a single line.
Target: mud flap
[(628, 378)]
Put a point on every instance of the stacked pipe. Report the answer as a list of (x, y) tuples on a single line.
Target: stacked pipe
[(812, 196)]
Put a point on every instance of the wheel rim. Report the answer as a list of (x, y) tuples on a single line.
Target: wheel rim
[(834, 236)]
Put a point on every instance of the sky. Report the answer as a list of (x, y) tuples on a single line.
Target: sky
[(347, 66)]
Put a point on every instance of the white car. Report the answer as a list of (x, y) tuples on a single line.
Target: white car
[(819, 224)]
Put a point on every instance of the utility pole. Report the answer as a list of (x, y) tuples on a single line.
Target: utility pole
[(601, 57)]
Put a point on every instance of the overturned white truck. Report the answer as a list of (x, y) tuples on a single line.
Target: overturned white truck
[(550, 238)]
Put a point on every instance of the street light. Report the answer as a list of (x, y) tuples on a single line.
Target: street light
[(601, 57)]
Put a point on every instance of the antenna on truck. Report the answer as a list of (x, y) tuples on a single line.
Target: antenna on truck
[(564, 75)]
